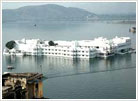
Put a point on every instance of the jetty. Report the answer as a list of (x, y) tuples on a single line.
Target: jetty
[(22, 86)]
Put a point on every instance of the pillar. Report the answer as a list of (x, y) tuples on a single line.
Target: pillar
[(40, 89)]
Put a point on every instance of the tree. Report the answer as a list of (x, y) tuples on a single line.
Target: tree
[(10, 44), (51, 43)]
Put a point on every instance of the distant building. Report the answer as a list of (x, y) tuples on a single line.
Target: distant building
[(99, 47)]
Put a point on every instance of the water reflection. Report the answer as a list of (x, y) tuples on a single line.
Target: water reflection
[(58, 66)]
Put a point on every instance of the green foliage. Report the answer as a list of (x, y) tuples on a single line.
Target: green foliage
[(10, 44), (51, 43)]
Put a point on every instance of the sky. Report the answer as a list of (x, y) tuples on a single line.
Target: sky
[(95, 7)]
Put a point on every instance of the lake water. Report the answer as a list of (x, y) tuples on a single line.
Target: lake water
[(111, 78)]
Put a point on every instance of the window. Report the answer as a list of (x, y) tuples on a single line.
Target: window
[(92, 50), (35, 49), (35, 53), (121, 46), (101, 53), (36, 86)]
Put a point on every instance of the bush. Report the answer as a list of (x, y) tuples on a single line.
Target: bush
[(10, 44)]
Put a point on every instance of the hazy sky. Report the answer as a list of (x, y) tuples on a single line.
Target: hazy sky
[(95, 7)]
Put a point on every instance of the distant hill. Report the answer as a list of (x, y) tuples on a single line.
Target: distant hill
[(46, 12), (131, 16)]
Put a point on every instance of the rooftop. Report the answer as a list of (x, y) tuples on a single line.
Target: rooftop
[(28, 76)]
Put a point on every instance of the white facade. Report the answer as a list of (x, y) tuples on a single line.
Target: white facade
[(99, 47), (121, 44)]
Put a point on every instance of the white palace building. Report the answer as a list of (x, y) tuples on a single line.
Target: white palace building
[(99, 47)]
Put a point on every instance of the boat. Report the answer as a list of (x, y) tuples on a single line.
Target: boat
[(132, 50), (132, 29), (10, 67), (6, 72), (122, 53)]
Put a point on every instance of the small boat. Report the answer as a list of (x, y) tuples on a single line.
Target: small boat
[(133, 29), (122, 53), (10, 67), (132, 50), (6, 72)]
